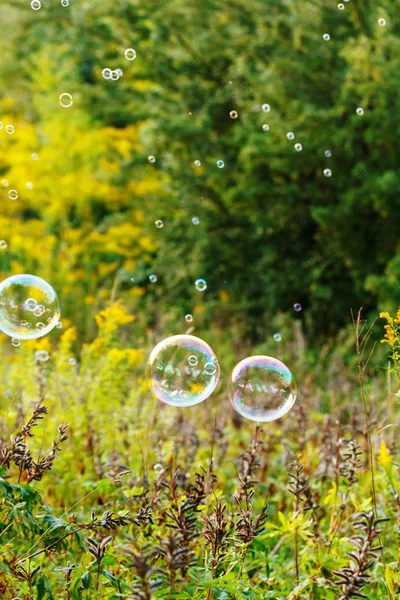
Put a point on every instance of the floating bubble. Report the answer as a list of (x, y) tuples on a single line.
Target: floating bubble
[(119, 72), (233, 114), (340, 6), (382, 22), (262, 388), (266, 108), (106, 73), (65, 100), (35, 4), (4, 183), (201, 285), (327, 173), (3, 244), (290, 135), (72, 361), (151, 159), (29, 185), (10, 129), (265, 127), (326, 37), (360, 111), (42, 356), (159, 224), (197, 163), (114, 75), (152, 278), (13, 194), (130, 54), (220, 164), (188, 318), (195, 220), (64, 3), (328, 153), (182, 370), (298, 147), (15, 342), (158, 467), (59, 325), (35, 156), (18, 313), (277, 337), (297, 307)]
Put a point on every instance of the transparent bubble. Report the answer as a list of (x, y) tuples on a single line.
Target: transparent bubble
[(201, 285), (158, 467), (195, 220), (59, 325), (15, 342), (130, 54), (4, 183), (262, 388), (106, 73), (10, 129), (277, 337), (152, 278), (290, 135), (382, 22), (197, 163), (65, 100), (3, 244), (35, 156), (114, 75), (189, 318), (17, 294), (328, 153), (265, 127), (151, 159), (298, 147), (64, 3), (119, 72), (340, 6), (233, 114), (327, 173), (39, 310), (42, 356), (13, 194), (266, 108), (35, 4), (326, 37), (159, 224), (29, 185), (72, 361), (360, 111), (171, 376), (220, 164), (297, 307)]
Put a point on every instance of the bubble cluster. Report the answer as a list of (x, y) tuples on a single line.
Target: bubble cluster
[(262, 388), (360, 111), (266, 108), (290, 135), (220, 164), (10, 129), (110, 74), (326, 37), (328, 153), (298, 147), (297, 307), (327, 173), (13, 194), (265, 127), (159, 224), (29, 307), (130, 54), (152, 278), (277, 337), (35, 4), (201, 285), (189, 318), (233, 114), (151, 159), (195, 220), (182, 370), (65, 100)]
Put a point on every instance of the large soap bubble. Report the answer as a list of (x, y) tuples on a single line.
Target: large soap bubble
[(29, 307), (182, 370), (262, 388)]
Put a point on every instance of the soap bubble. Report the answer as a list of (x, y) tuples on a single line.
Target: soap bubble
[(35, 4), (262, 388), (201, 285), (326, 37), (327, 173), (328, 153), (266, 108), (114, 75), (360, 111), (265, 127), (188, 318), (35, 156), (182, 370), (233, 114), (220, 164), (340, 6), (10, 129), (130, 54), (159, 224), (42, 356), (3, 244), (152, 278), (13, 194), (25, 302), (297, 307), (64, 3), (290, 135), (65, 100), (72, 361), (106, 73), (151, 159), (195, 220), (197, 163), (277, 337), (29, 185), (119, 72), (4, 183), (382, 22), (298, 147), (59, 325), (15, 342)]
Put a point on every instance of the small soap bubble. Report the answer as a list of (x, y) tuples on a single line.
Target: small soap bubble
[(277, 337), (13, 194), (328, 153), (106, 73), (29, 185), (64, 3), (3, 244), (119, 72), (159, 224), (340, 6), (4, 183), (10, 129), (262, 388), (189, 318), (265, 127), (35, 4), (72, 361), (35, 156), (197, 163), (266, 108), (65, 100), (151, 159), (233, 114), (114, 75), (201, 285), (20, 297), (59, 325), (179, 371), (130, 54), (327, 173), (195, 220), (297, 307), (15, 342), (382, 22), (360, 111), (290, 135), (326, 37), (42, 356), (298, 147), (152, 278), (158, 467), (220, 164)]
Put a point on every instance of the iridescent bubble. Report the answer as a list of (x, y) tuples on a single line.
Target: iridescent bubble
[(151, 159), (382, 22), (266, 108), (17, 295), (360, 111), (298, 147), (13, 194), (65, 100), (262, 388), (297, 307), (201, 285), (39, 310), (233, 114), (265, 127), (35, 4), (3, 244), (173, 379), (152, 278), (159, 224), (42, 356), (328, 153), (326, 37), (130, 54), (327, 173), (106, 73), (220, 164), (10, 129), (188, 318), (195, 220), (277, 337), (290, 135), (15, 342), (197, 163)]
